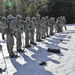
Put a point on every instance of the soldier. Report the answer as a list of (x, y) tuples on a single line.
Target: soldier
[(43, 28), (20, 25), (12, 29), (47, 25), (59, 24), (27, 32), (38, 29), (64, 22), (52, 23), (33, 26)]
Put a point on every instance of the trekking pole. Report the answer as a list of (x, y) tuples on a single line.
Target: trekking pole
[(3, 59)]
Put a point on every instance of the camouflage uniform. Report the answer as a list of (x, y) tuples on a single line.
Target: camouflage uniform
[(38, 29), (43, 28), (64, 22), (3, 36), (27, 32), (20, 25), (59, 24), (47, 25), (4, 26), (33, 26), (10, 32), (52, 23)]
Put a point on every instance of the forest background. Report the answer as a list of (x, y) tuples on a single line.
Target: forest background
[(51, 8)]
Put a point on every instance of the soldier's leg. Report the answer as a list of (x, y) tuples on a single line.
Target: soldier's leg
[(47, 32), (37, 34), (10, 43), (19, 42), (40, 35), (58, 29), (27, 45), (3, 36), (32, 38), (43, 34), (65, 27), (51, 30)]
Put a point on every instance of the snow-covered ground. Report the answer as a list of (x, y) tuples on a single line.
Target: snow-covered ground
[(56, 64)]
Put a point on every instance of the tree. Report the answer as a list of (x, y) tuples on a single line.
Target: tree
[(31, 9), (61, 8), (1, 8)]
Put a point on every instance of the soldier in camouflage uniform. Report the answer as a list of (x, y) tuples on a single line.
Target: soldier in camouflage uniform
[(43, 27), (47, 25), (64, 22), (12, 29), (27, 32), (20, 25), (59, 24), (38, 29), (32, 32), (52, 23)]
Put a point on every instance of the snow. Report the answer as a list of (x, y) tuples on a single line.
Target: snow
[(56, 64)]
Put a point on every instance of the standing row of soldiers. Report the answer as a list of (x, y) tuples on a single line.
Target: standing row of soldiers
[(15, 26)]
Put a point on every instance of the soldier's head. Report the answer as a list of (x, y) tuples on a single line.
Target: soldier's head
[(10, 17), (33, 18), (47, 17), (28, 19), (3, 18), (18, 16), (43, 18), (52, 19), (63, 17)]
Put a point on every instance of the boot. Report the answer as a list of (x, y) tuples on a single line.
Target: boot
[(33, 43), (48, 36), (28, 46), (20, 50), (13, 56), (39, 40), (43, 37), (2, 70)]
